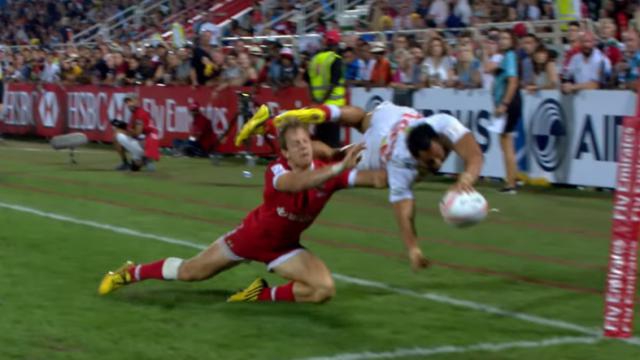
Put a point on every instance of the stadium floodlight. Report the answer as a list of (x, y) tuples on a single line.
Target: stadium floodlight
[(69, 141)]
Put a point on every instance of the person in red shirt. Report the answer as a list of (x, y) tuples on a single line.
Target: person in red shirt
[(381, 73), (139, 138), (201, 136), (296, 189)]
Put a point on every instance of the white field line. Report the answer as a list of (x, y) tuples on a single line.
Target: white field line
[(29, 149), (457, 349), (444, 299)]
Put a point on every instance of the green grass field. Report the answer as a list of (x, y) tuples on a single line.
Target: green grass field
[(526, 284)]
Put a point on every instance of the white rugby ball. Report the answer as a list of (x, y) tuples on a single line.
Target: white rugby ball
[(463, 208)]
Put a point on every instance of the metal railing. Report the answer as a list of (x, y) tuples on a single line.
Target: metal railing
[(554, 37), (121, 20)]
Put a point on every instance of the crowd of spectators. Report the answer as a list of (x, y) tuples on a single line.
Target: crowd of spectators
[(608, 58)]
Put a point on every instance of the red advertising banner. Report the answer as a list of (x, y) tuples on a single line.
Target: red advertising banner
[(50, 110), (623, 253)]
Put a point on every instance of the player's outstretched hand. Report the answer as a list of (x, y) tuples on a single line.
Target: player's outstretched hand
[(464, 183), (352, 156), (418, 261)]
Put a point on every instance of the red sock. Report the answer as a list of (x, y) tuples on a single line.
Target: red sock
[(327, 112), (147, 271), (279, 293)]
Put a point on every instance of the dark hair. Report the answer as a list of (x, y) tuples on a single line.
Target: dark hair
[(574, 23), (289, 125), (466, 34), (420, 138), (512, 35)]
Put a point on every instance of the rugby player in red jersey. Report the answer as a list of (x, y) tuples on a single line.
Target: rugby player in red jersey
[(296, 189)]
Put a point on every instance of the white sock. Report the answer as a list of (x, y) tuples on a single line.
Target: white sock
[(170, 268), (335, 112)]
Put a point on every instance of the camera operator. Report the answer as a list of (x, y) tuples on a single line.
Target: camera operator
[(137, 138)]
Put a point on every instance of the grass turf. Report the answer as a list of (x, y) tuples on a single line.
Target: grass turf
[(543, 253)]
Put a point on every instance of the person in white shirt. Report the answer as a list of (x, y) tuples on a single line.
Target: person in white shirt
[(588, 68), (51, 71), (437, 68), (399, 140), (439, 12)]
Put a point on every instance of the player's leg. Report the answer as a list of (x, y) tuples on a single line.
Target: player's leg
[(208, 263), (120, 150), (351, 116), (133, 147), (311, 281)]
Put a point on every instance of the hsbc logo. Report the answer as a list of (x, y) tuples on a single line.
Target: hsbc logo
[(117, 108), (48, 109)]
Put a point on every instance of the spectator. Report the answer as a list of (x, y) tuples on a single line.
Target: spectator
[(211, 32), (437, 68), (381, 73), (138, 73), (628, 70), (51, 70), (588, 69), (610, 46), (467, 69), (573, 43), (508, 106), (257, 58), (202, 66), (351, 66), (365, 65), (528, 10), (438, 13), (231, 73), (248, 73), (400, 42), (289, 70), (491, 59), (406, 78), (547, 10), (528, 44), (201, 136), (462, 10), (545, 75), (417, 54), (423, 8)]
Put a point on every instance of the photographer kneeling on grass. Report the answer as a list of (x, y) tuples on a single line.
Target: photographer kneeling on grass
[(139, 138)]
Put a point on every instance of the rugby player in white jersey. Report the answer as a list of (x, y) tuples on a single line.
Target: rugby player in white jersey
[(398, 139)]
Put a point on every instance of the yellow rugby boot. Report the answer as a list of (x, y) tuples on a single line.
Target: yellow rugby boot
[(255, 125), (114, 280), (308, 115), (250, 293)]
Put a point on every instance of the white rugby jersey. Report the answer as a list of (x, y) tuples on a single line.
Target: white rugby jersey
[(393, 123)]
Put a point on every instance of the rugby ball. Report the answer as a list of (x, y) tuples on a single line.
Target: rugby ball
[(463, 208)]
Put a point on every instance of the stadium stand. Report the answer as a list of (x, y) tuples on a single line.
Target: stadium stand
[(119, 49)]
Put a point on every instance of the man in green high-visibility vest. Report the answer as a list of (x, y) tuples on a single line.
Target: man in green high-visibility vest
[(325, 76)]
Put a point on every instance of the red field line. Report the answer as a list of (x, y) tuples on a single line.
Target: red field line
[(363, 229), (464, 268), (360, 248)]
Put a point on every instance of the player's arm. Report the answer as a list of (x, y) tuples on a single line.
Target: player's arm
[(371, 178), (469, 150), (137, 128), (298, 181), (401, 197)]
